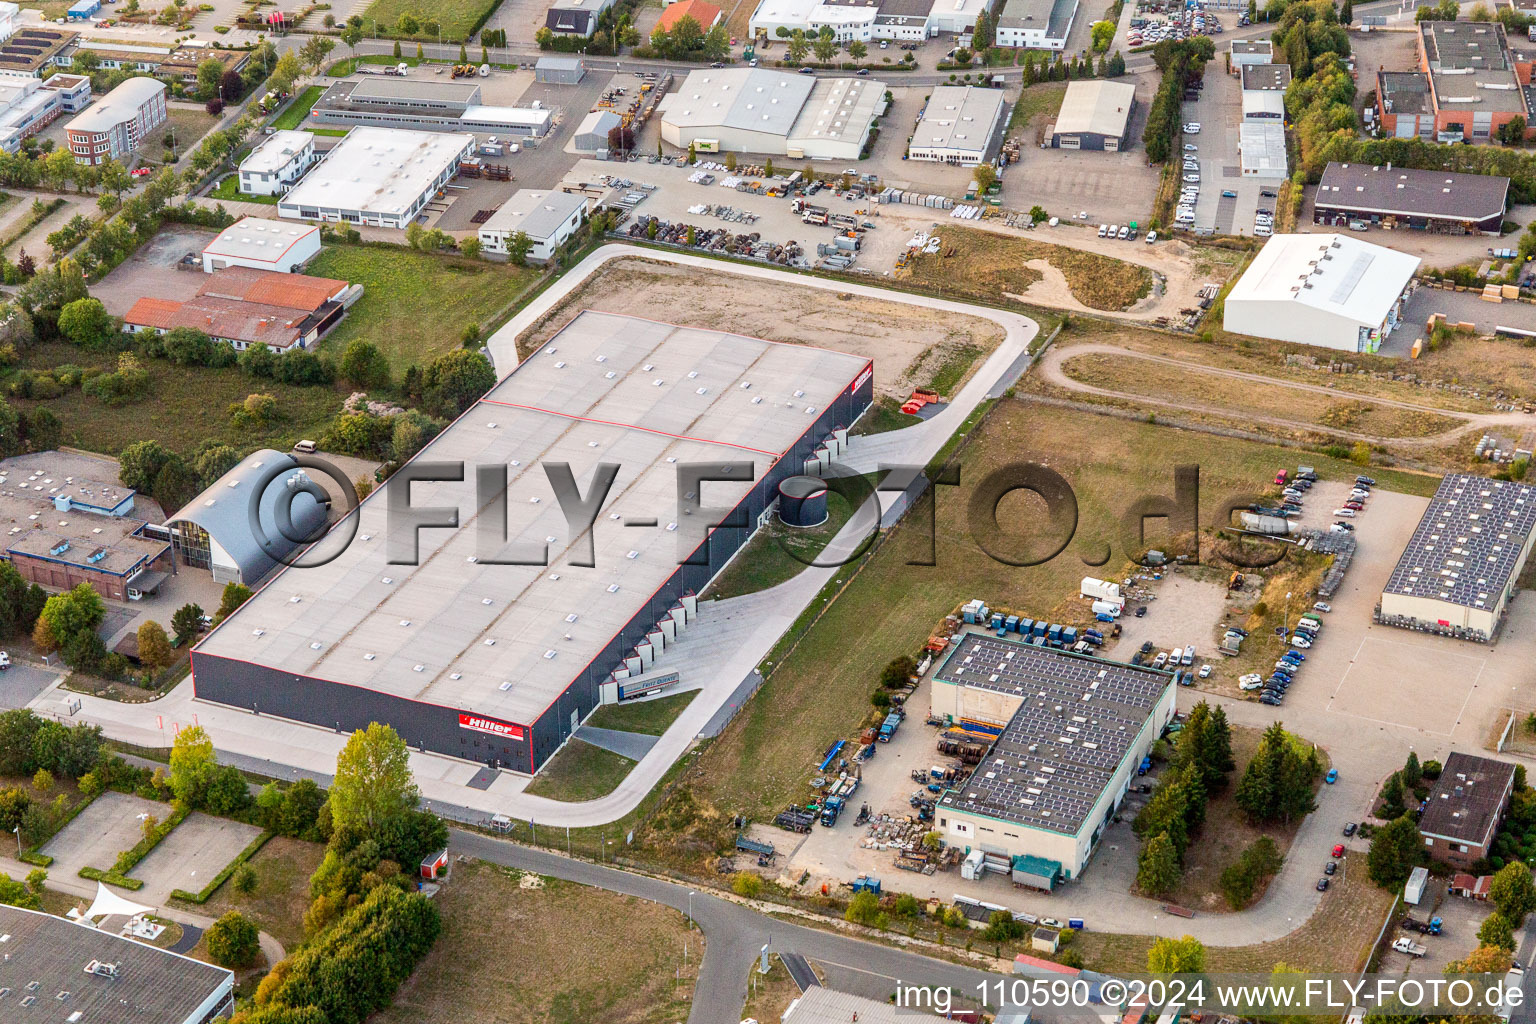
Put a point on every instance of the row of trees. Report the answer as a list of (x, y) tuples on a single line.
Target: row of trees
[(688, 40), (1179, 63), (1201, 762)]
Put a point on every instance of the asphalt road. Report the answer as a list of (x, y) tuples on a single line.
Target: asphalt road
[(735, 934)]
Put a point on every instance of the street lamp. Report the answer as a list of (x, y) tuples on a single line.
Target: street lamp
[(17, 830), (690, 903)]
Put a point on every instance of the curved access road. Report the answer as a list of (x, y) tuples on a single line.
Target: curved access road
[(1051, 369)]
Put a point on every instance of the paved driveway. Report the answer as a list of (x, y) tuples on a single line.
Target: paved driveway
[(20, 685)]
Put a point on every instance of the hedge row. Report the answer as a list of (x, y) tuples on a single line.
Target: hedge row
[(111, 878), (127, 860), (206, 893)]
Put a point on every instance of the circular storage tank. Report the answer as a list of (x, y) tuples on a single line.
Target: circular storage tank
[(803, 501)]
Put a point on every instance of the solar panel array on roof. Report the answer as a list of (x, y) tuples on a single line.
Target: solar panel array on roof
[(1061, 748), (1466, 546)]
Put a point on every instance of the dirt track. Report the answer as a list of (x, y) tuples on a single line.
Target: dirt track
[(1050, 370)]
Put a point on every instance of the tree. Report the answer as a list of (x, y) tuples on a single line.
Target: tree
[(898, 672), (245, 880), (364, 366), (470, 247), (864, 908), (1512, 132), (1395, 851), (212, 461), (174, 485), (857, 50), (1176, 956), (192, 764), (186, 621), (210, 73), (1392, 797), (797, 47), (87, 323), (75, 612), (231, 85), (825, 49), (1513, 892), (985, 175), (1347, 13), (518, 247), (42, 780), (621, 140), (454, 380), (1412, 772), (1497, 931), (285, 72), (233, 941), (154, 646), (373, 780), (748, 884), (397, 49), (1157, 869), (1278, 784)]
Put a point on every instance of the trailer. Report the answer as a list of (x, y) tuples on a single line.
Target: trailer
[(1101, 590), (795, 819), (746, 845)]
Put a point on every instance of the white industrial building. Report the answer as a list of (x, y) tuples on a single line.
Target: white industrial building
[(262, 244), (1095, 114), (1066, 733), (28, 104), (1332, 291), (547, 218), (958, 125), (1036, 24), (1262, 106), (775, 113), (1251, 51), (592, 134), (273, 167), (866, 20), (380, 177), (9, 12), (1458, 572), (1261, 150)]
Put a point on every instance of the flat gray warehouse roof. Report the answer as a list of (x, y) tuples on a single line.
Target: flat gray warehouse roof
[(1399, 190), (1465, 548), (958, 117), (1063, 745), (506, 640)]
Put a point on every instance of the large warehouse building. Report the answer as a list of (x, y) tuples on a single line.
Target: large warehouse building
[(1070, 732), (424, 106), (1398, 197), (774, 113), (960, 124), (865, 20), (378, 176), (1333, 291), (468, 655), (1458, 571), (1095, 114)]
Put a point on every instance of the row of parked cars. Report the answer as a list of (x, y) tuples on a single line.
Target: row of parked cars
[(1355, 505), (1189, 192)]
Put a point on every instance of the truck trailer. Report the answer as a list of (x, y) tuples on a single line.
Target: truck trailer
[(1101, 590)]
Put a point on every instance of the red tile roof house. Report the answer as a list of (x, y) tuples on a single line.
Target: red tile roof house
[(242, 306)]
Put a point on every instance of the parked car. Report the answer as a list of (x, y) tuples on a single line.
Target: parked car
[(1151, 237), (1103, 230), (1300, 640), (1330, 867), (1367, 481), (1146, 647), (1227, 193), (1141, 611), (1251, 681), (1273, 702), (1349, 830), (1205, 672), (1125, 231), (1338, 848), (1322, 606), (1190, 147), (1332, 776), (1193, 128), (1344, 513), (1322, 885), (1160, 660), (1191, 177), (1345, 527)]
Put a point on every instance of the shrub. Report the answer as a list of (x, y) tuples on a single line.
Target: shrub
[(233, 941)]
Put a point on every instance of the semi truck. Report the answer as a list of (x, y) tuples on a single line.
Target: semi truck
[(830, 809), (889, 726), (1432, 926)]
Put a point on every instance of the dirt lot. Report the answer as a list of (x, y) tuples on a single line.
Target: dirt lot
[(551, 973), (113, 823), (897, 338), (191, 855), (152, 270)]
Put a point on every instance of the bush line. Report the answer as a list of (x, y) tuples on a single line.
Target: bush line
[(223, 876)]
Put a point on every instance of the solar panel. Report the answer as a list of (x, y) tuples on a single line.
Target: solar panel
[(1077, 717), (1466, 547)]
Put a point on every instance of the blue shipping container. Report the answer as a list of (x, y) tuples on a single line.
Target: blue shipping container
[(1040, 625), (997, 620), (1026, 626), (1011, 624)]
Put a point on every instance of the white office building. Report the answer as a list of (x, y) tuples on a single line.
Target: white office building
[(273, 167), (262, 244), (866, 20), (547, 218), (1332, 291), (958, 125), (1036, 24), (381, 177), (28, 105)]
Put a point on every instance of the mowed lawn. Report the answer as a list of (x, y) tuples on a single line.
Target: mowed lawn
[(298, 111), (457, 17), (580, 772), (650, 717), (186, 405), (282, 867), (821, 693), (415, 305), (515, 955)]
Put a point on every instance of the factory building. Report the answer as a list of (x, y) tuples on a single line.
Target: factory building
[(493, 642), (773, 113), (262, 244), (1458, 571), (381, 177), (76, 973), (1036, 24), (1094, 115), (383, 102), (1467, 86), (960, 124), (1332, 291), (1398, 197), (1067, 734)]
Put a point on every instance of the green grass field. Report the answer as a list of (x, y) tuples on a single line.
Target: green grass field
[(229, 192), (777, 552), (186, 406), (415, 305), (651, 717), (457, 17), (298, 111), (580, 772)]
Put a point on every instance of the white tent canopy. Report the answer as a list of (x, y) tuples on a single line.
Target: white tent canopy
[(110, 904)]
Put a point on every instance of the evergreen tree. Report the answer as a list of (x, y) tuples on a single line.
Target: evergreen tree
[(1412, 772), (1392, 796), (1157, 870), (1347, 13)]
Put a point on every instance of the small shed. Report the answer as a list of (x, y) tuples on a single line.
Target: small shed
[(559, 70), (83, 9), (592, 133), (1413, 892), (1046, 940), (435, 866)]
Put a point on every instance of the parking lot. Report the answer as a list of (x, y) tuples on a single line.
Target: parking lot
[(191, 855), (1219, 111), (1460, 917), (21, 684), (152, 270)]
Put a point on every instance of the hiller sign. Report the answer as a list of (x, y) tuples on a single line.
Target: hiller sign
[(490, 725)]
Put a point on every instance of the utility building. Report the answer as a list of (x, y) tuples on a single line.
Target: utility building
[(775, 113), (1067, 734), (1458, 572), (960, 124), (1398, 197), (492, 642), (1332, 291), (382, 177), (1095, 114)]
